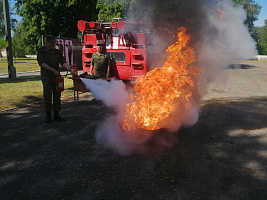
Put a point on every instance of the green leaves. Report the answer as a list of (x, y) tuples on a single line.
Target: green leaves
[(109, 9), (2, 22), (258, 33), (52, 17), (253, 11), (60, 17), (260, 36)]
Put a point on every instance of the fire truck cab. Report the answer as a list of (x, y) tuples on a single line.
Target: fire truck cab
[(129, 45)]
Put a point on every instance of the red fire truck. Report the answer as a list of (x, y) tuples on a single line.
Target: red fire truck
[(131, 46)]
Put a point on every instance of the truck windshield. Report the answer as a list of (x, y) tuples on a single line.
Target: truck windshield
[(117, 56)]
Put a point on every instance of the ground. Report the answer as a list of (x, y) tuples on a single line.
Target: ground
[(223, 156)]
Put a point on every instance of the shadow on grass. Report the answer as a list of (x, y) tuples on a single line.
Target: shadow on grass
[(20, 79), (223, 156), (29, 100)]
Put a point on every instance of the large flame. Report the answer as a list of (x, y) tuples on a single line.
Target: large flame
[(164, 94)]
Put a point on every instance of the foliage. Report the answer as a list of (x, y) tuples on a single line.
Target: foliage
[(17, 46), (52, 17), (109, 9), (253, 11), (2, 43), (260, 36), (2, 21), (60, 17)]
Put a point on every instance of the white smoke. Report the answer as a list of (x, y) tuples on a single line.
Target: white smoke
[(225, 38), (232, 38), (218, 40), (110, 134), (114, 95)]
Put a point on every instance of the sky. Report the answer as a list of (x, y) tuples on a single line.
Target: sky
[(259, 22), (263, 13)]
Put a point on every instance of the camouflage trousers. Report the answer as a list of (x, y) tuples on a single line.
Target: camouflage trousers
[(50, 94)]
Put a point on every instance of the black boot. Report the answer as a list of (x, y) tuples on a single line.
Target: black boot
[(48, 118), (57, 117)]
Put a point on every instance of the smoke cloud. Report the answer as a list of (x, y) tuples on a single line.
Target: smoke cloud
[(225, 38), (219, 36), (109, 132)]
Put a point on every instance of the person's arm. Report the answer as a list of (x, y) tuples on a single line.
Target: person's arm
[(45, 66), (91, 69), (92, 65), (64, 64), (108, 69), (67, 67)]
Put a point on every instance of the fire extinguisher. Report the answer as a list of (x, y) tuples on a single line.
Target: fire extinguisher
[(75, 70), (60, 83)]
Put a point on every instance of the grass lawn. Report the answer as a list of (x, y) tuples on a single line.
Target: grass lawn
[(22, 91), (21, 65)]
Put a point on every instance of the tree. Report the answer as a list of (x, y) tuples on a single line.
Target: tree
[(260, 36), (52, 17), (2, 43), (253, 11), (17, 45), (2, 21), (109, 9)]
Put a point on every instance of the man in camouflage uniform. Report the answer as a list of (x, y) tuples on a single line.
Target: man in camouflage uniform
[(49, 58), (100, 62)]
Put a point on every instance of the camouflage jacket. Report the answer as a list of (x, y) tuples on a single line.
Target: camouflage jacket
[(101, 62)]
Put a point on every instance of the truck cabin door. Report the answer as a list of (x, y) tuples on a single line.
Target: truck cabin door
[(120, 64)]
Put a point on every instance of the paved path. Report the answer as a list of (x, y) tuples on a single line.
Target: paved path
[(245, 80), (29, 74), (22, 74), (223, 156)]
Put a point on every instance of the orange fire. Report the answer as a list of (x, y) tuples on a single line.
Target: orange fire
[(164, 94), (221, 13)]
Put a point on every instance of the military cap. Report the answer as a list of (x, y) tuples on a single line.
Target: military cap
[(51, 38)]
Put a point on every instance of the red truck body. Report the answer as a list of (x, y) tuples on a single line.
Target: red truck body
[(130, 46)]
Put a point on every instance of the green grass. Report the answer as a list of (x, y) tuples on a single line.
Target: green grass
[(23, 91), (21, 65)]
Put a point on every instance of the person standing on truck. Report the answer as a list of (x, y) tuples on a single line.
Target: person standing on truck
[(100, 62), (49, 58)]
